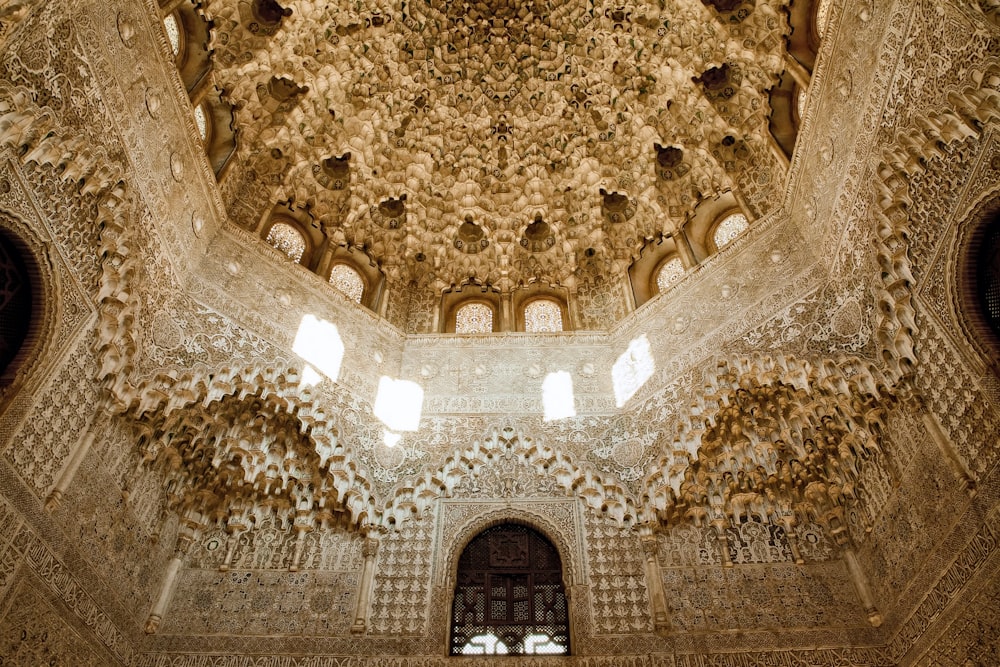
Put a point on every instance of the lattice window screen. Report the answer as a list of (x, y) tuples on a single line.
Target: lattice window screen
[(509, 596), (989, 274)]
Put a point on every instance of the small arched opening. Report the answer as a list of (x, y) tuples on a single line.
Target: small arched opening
[(475, 317), (978, 281), (22, 314), (509, 595)]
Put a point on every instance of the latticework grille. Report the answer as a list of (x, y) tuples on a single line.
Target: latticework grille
[(989, 274), (15, 302), (509, 596)]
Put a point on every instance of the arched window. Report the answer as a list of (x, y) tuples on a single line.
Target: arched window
[(348, 282), (173, 33), (729, 228), (822, 14), (15, 303), (201, 122), (988, 274), (474, 318), (188, 34), (543, 316), (288, 240), (509, 595), (669, 273)]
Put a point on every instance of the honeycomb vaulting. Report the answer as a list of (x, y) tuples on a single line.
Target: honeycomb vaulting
[(770, 440), (433, 134)]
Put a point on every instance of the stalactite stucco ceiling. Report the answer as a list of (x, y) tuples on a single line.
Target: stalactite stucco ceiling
[(501, 141)]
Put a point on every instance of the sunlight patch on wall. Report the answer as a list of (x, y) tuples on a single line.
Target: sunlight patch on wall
[(632, 369), (488, 644), (542, 645), (557, 396), (391, 439), (318, 342), (399, 404), (310, 378)]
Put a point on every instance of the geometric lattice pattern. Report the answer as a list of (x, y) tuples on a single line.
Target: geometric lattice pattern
[(201, 122), (729, 229), (509, 595), (288, 240), (543, 316), (671, 271), (347, 281), (474, 318), (173, 33)]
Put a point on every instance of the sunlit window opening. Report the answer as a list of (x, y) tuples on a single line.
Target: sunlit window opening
[(474, 318), (288, 240), (399, 404), (348, 282), (488, 644), (509, 595), (310, 378), (173, 33), (318, 342), (557, 396), (669, 273), (729, 229), (822, 14), (543, 316), (391, 439), (542, 645), (632, 369), (201, 121)]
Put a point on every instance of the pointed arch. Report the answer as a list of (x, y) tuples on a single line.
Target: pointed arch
[(32, 326), (598, 490)]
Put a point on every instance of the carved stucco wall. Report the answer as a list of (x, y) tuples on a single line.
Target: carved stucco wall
[(76, 583)]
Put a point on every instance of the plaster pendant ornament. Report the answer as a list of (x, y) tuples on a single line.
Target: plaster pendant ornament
[(263, 17), (471, 238), (334, 172), (495, 112), (538, 236)]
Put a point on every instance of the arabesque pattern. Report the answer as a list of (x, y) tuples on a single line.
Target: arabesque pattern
[(814, 441)]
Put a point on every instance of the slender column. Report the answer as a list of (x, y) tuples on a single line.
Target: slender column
[(76, 457), (627, 294), (231, 542), (200, 91), (798, 72), (184, 541), (300, 542), (861, 585), (741, 202), (684, 249), (325, 252), (793, 539), (507, 319), (933, 426), (720, 534), (658, 598), (368, 550)]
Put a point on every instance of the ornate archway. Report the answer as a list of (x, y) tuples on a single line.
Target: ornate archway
[(509, 595)]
